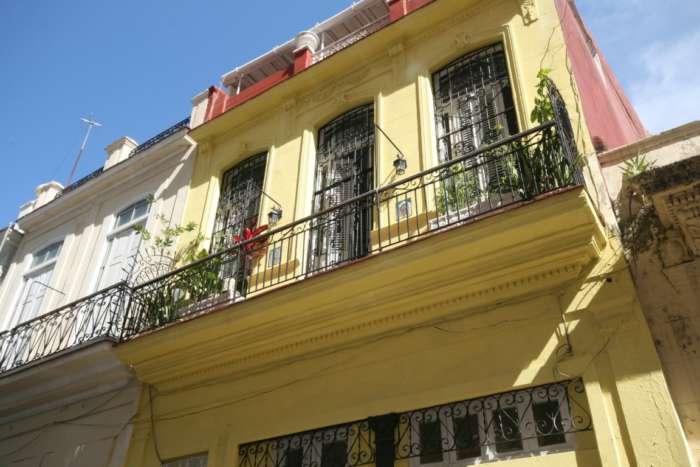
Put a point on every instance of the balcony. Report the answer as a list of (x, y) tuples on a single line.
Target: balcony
[(495, 178), (510, 174), (94, 318)]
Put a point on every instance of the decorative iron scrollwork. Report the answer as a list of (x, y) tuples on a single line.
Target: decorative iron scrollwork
[(94, 317), (346, 445), (538, 419)]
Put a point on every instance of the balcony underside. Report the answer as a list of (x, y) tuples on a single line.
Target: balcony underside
[(77, 374), (523, 249)]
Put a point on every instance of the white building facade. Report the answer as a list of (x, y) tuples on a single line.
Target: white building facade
[(65, 400)]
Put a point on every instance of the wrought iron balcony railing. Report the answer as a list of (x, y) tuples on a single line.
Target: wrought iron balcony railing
[(98, 316), (517, 423), (181, 125), (140, 148), (507, 172)]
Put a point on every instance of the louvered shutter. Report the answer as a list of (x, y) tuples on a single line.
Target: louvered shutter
[(467, 114), (473, 100), (493, 128)]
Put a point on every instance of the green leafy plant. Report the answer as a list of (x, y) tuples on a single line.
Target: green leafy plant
[(544, 163), (166, 295), (502, 165), (457, 188), (543, 111), (637, 165)]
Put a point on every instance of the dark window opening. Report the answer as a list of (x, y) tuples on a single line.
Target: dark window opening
[(548, 423), (507, 430), (294, 457), (238, 210), (344, 171), (467, 441), (334, 454), (430, 442), (473, 102)]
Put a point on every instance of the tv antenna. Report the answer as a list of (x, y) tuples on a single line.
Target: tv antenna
[(90, 124)]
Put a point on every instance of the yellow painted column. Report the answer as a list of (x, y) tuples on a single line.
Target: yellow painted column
[(644, 398), (604, 417)]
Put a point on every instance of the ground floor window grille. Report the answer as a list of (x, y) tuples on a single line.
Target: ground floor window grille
[(513, 424), (525, 422), (345, 445)]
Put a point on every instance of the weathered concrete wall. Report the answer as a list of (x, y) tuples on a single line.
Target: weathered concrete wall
[(660, 220)]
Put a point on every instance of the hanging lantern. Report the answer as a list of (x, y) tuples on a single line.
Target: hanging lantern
[(274, 216), (400, 165)]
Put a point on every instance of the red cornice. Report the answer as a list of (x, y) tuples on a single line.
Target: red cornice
[(220, 101)]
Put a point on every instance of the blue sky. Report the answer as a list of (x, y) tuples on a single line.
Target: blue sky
[(135, 64)]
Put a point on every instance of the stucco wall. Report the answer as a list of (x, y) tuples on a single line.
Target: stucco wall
[(85, 432), (612, 121)]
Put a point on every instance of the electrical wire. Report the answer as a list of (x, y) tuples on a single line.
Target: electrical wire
[(362, 344), (153, 425), (42, 429)]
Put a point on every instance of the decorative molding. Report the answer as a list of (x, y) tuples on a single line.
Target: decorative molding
[(683, 208), (462, 40), (289, 104), (528, 10), (387, 323), (206, 147)]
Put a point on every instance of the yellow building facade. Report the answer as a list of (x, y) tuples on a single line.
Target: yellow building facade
[(471, 307)]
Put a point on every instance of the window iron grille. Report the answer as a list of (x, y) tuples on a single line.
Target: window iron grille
[(533, 420), (239, 201), (344, 170), (474, 108), (348, 444)]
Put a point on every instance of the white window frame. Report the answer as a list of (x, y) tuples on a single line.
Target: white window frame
[(489, 453), (29, 274), (118, 229)]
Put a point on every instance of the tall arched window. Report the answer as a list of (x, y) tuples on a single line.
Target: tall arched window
[(344, 170), (238, 209), (473, 103), (37, 282), (123, 244), (239, 200)]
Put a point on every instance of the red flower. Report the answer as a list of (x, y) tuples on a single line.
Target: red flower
[(252, 249)]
